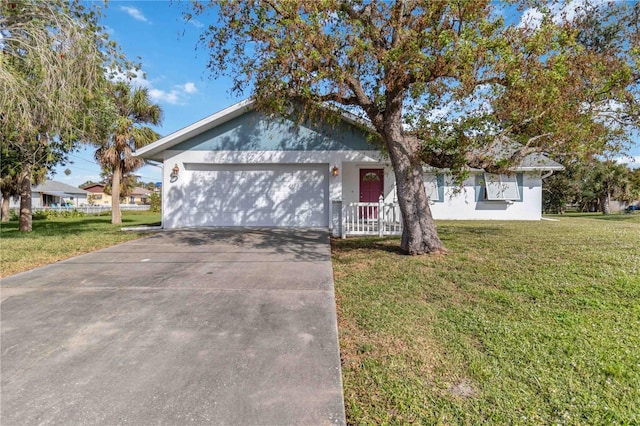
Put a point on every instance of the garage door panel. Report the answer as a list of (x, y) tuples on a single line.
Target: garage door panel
[(258, 195)]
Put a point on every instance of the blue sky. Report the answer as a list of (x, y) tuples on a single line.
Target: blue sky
[(176, 75)]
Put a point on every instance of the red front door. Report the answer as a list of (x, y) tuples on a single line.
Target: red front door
[(371, 185)]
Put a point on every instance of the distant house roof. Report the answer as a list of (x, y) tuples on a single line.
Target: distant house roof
[(138, 190), (99, 188), (95, 187), (60, 189)]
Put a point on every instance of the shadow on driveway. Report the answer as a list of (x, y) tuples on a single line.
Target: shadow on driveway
[(219, 326)]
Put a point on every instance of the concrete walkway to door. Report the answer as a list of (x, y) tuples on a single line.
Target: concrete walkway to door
[(183, 327)]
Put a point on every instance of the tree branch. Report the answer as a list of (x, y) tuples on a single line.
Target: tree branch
[(365, 16)]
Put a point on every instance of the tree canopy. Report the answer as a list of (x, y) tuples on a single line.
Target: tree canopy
[(126, 134), (590, 186), (53, 70), (451, 84)]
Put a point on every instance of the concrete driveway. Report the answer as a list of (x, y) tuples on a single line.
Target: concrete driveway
[(183, 327)]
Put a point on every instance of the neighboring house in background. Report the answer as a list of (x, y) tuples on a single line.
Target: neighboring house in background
[(618, 206), (97, 195), (139, 195), (238, 168), (52, 193)]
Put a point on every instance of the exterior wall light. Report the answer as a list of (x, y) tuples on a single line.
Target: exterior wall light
[(174, 173), (335, 170)]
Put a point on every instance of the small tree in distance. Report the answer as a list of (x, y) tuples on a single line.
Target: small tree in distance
[(115, 153)]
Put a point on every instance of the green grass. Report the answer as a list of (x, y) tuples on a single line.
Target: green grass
[(56, 239), (521, 323)]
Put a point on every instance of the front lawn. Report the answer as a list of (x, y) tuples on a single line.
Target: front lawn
[(59, 238), (521, 323)]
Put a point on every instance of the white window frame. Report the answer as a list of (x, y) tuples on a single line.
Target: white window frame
[(501, 187), (431, 186)]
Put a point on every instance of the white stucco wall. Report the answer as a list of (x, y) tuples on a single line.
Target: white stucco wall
[(460, 205), (175, 193), (463, 205), (345, 186)]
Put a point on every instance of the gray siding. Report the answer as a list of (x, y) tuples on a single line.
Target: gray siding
[(253, 132)]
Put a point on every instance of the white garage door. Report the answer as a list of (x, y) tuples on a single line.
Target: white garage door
[(294, 195)]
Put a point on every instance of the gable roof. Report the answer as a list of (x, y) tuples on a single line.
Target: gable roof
[(138, 190), (538, 161), (57, 188), (154, 150), (95, 187)]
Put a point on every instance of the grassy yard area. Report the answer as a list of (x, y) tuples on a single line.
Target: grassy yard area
[(59, 238), (521, 323)]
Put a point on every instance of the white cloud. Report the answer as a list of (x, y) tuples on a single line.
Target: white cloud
[(631, 161), (196, 23), (440, 113), (532, 18), (134, 13), (135, 78), (170, 97), (178, 93), (190, 88)]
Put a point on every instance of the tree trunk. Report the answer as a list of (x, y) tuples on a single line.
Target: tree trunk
[(116, 214), (605, 203), (419, 234), (5, 213), (24, 185)]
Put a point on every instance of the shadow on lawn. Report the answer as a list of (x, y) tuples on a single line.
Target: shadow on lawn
[(620, 217), (61, 227), (385, 244), (615, 217), (392, 244)]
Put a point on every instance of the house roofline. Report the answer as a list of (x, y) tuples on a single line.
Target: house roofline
[(552, 168), (153, 150)]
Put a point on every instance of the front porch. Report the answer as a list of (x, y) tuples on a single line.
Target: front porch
[(359, 219)]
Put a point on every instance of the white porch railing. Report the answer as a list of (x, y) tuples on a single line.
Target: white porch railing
[(371, 219)]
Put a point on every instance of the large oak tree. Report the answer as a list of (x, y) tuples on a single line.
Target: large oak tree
[(508, 87)]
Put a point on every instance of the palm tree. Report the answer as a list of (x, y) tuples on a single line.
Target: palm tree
[(608, 180), (9, 183), (128, 182), (115, 155)]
